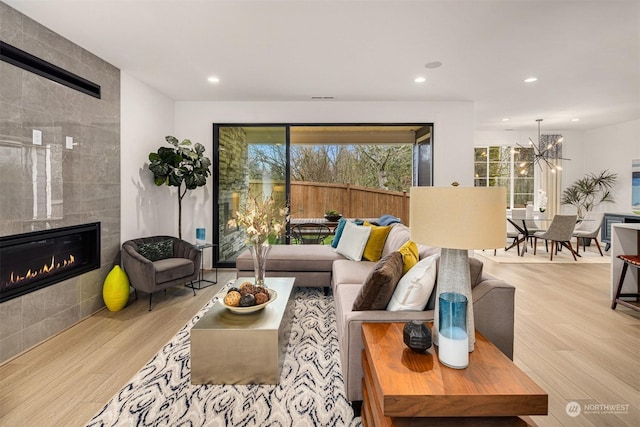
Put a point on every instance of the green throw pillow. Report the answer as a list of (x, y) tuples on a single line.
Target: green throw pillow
[(156, 251)]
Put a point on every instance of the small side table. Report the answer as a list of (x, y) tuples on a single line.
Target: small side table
[(201, 278), (405, 388)]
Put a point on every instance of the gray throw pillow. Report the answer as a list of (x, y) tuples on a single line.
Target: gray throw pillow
[(378, 288), (156, 251)]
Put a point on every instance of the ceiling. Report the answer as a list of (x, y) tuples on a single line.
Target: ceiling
[(585, 54)]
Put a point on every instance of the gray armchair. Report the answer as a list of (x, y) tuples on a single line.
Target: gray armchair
[(180, 265)]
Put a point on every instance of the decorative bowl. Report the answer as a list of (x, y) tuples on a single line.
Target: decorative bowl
[(251, 309)]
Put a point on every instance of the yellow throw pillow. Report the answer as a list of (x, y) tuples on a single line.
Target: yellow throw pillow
[(410, 255), (375, 244)]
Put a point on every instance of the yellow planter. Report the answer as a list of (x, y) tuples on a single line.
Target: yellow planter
[(115, 291)]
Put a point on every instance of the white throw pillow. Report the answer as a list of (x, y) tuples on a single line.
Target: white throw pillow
[(353, 240), (415, 287)]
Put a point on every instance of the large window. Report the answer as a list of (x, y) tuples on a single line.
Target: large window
[(509, 167)]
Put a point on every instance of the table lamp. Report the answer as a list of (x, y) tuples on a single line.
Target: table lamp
[(456, 219)]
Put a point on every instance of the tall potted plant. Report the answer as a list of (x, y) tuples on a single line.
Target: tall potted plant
[(180, 166), (588, 192)]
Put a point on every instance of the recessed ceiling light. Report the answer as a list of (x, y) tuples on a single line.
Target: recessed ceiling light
[(213, 79), (506, 119), (575, 120), (433, 64), (530, 80), (420, 79)]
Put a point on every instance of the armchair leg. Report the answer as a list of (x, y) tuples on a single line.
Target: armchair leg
[(135, 291), (150, 295)]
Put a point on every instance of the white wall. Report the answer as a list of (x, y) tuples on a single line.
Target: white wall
[(613, 147), (147, 117), (609, 148), (453, 134)]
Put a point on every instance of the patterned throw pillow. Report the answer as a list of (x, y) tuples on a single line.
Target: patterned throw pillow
[(156, 251)]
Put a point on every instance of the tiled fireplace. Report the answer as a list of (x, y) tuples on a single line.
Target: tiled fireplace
[(59, 171), (35, 260)]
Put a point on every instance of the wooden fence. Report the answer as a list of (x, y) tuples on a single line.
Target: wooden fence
[(313, 199)]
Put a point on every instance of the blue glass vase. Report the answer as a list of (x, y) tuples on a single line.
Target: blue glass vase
[(454, 339)]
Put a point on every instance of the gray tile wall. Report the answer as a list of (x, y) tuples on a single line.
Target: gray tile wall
[(49, 186)]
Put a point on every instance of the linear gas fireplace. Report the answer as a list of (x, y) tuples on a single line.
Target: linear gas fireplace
[(38, 259)]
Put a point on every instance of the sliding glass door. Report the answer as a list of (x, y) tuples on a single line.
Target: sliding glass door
[(359, 170), (250, 159)]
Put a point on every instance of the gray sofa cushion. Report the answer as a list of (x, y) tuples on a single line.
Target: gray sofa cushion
[(398, 235), (293, 258), (352, 272), (379, 285), (173, 268)]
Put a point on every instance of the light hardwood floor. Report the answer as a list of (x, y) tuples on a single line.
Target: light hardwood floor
[(567, 339)]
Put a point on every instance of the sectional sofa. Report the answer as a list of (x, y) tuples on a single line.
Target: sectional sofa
[(322, 266)]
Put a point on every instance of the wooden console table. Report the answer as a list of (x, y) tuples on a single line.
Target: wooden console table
[(404, 388)]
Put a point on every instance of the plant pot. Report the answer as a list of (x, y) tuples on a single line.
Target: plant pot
[(332, 218)]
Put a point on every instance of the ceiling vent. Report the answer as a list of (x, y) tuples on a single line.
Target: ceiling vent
[(26, 61)]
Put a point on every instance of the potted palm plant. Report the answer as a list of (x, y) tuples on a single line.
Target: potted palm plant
[(588, 192)]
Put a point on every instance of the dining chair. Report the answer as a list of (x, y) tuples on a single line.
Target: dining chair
[(560, 232), (589, 229)]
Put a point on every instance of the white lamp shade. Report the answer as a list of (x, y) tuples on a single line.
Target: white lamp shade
[(459, 217)]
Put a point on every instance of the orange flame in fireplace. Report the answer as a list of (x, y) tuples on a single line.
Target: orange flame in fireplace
[(46, 268)]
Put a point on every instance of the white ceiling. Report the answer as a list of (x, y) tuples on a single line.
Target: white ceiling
[(586, 54)]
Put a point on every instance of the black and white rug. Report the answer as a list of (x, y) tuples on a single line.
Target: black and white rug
[(310, 393)]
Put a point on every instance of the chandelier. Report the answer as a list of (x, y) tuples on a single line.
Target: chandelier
[(548, 150)]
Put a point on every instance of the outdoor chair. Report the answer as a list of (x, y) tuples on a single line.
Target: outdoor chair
[(589, 229), (153, 265), (310, 233), (559, 233)]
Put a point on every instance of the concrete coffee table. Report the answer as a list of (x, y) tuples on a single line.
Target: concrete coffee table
[(229, 348)]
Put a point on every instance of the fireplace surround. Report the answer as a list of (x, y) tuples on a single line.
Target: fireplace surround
[(38, 259)]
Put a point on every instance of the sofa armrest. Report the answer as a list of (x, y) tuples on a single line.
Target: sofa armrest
[(141, 271), (493, 308), (493, 312)]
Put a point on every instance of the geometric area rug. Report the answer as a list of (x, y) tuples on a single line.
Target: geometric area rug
[(310, 393)]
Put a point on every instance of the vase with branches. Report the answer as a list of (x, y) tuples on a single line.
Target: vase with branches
[(588, 192), (180, 166), (262, 220)]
